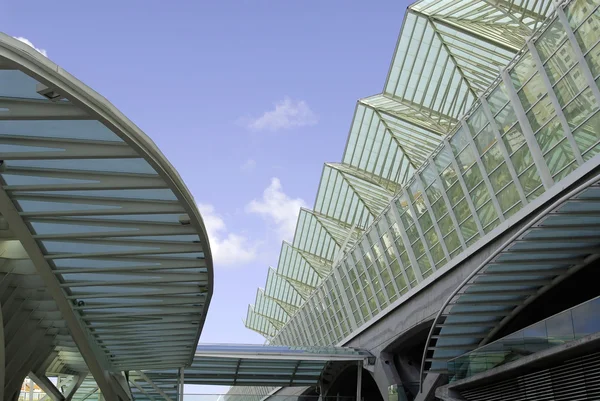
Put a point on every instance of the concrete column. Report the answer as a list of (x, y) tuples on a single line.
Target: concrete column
[(430, 384), (386, 375), (408, 371)]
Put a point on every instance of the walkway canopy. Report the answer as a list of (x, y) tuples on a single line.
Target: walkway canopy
[(104, 259), (563, 238), (247, 365)]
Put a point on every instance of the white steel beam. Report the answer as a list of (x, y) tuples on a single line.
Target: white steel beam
[(150, 382), (33, 109)]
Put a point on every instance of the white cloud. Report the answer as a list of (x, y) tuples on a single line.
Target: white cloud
[(249, 165), (28, 42), (279, 208), (288, 113), (227, 248)]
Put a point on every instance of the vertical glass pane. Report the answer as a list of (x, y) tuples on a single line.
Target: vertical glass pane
[(508, 197), (498, 98), (578, 11), (522, 70), (550, 135), (587, 136), (530, 180), (586, 319), (559, 157), (568, 87), (540, 113), (593, 60), (492, 158), (560, 63), (532, 91), (588, 32), (560, 328), (500, 177), (581, 108), (550, 39), (506, 118)]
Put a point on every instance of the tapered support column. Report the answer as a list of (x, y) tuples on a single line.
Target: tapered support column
[(2, 357), (430, 384), (181, 382), (45, 384), (359, 371)]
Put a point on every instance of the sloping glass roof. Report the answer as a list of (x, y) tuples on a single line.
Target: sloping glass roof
[(373, 151), (302, 270), (504, 22), (259, 323), (561, 240), (448, 54), (110, 224), (407, 128), (314, 236), (349, 199), (269, 308)]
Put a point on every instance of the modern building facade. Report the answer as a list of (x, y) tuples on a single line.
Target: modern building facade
[(473, 172)]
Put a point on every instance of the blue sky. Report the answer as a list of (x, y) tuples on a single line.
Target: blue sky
[(247, 99)]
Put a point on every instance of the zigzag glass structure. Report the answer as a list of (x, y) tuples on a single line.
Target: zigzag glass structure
[(487, 110)]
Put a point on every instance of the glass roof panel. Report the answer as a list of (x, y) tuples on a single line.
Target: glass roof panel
[(259, 323), (14, 83), (41, 206), (155, 194), (372, 149), (424, 74), (54, 228), (136, 166), (302, 272), (160, 218), (313, 237), (92, 130), (281, 290), (270, 309)]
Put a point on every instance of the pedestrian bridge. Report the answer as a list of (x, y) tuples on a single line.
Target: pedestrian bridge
[(232, 365)]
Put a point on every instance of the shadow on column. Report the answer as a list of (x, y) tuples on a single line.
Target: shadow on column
[(344, 386)]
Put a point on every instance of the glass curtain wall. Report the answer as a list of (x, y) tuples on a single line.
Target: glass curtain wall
[(537, 123)]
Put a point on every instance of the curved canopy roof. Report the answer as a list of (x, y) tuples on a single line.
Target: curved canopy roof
[(562, 239), (104, 221)]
